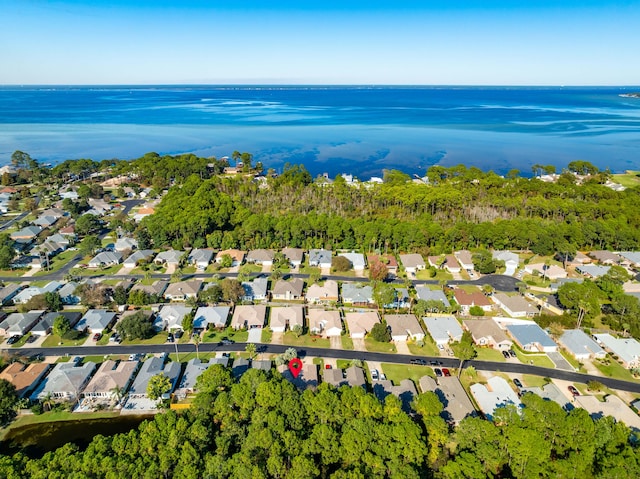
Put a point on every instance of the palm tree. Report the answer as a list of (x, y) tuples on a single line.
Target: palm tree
[(118, 393), (251, 349), (47, 402), (196, 342)]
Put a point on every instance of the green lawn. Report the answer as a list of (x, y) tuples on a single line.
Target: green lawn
[(215, 336), (22, 341), (54, 340), (58, 262), (614, 370), (266, 335), (319, 362), (489, 354), (97, 272), (186, 357), (629, 179), (375, 346), (159, 338), (305, 340), (571, 360), (398, 372), (429, 348), (541, 360), (343, 363), (531, 381), (309, 270), (347, 342), (13, 272)]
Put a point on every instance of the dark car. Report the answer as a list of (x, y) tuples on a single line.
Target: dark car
[(420, 362), (446, 372), (505, 354), (517, 382), (178, 334), (574, 392), (438, 372), (227, 342), (13, 339), (512, 353), (433, 363), (32, 339), (170, 338)]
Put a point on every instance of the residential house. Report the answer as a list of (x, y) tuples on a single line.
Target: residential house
[(581, 345), (465, 259), (240, 366), (592, 270), (236, 255), (357, 294), (556, 284), (405, 391), (320, 258), (323, 293), (627, 349), (256, 290), (183, 290), (456, 404), (468, 300), (170, 257), (294, 255), (580, 258), (192, 371), (157, 288), (486, 332), (24, 377), (95, 321), (443, 329), (68, 293), (263, 257), (170, 317), (360, 323), (106, 259), (69, 194), (630, 258), (306, 379), (435, 261), (550, 271), (125, 244), (45, 221), (511, 261), (532, 337), (283, 317), (495, 394), (65, 381), (427, 294), (356, 259), (143, 212), (9, 291), (200, 258), (515, 306), (19, 323), (288, 290), (28, 233), (451, 264), (550, 392), (99, 207), (111, 380), (388, 260), (401, 299), (27, 294), (611, 406), (412, 263), (324, 323), (45, 325), (249, 316), (138, 256), (211, 317), (262, 364), (355, 377), (150, 368), (69, 231), (334, 376), (404, 327)]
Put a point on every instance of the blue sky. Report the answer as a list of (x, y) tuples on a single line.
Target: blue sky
[(490, 42)]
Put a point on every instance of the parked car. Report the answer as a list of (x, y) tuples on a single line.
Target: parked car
[(420, 362), (374, 374), (438, 372), (13, 339), (506, 354), (114, 338), (97, 336), (517, 382), (327, 366), (446, 372), (225, 341), (178, 334), (512, 353), (440, 347), (574, 392), (32, 339), (170, 338), (383, 377)]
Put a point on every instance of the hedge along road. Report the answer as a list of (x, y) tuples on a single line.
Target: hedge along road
[(327, 353)]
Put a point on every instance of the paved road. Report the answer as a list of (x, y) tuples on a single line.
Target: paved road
[(9, 223), (331, 353)]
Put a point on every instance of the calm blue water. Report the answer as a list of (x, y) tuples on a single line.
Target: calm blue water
[(334, 129)]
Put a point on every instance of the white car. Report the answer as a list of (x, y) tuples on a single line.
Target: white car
[(374, 374)]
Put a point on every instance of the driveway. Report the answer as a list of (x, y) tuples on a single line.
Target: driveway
[(560, 361), (402, 347), (255, 335), (335, 342), (358, 345), (277, 338)]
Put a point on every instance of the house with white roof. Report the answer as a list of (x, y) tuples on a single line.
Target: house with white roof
[(249, 316), (125, 244), (200, 257), (404, 327), (27, 294), (170, 317), (360, 323), (412, 263), (511, 261), (581, 345), (550, 271), (256, 290), (515, 306), (105, 259), (283, 317), (324, 323), (496, 394), (65, 381), (443, 329), (95, 321), (532, 337), (211, 316), (357, 260), (592, 270), (323, 293), (632, 258), (320, 258), (627, 349)]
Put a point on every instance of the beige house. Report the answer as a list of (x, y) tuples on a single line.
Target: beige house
[(404, 327), (183, 290), (236, 255), (294, 255), (486, 332), (515, 306), (412, 263), (324, 293), (111, 379), (286, 317), (249, 316), (325, 323), (361, 323), (288, 290)]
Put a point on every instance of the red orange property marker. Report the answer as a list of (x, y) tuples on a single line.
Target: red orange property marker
[(295, 366)]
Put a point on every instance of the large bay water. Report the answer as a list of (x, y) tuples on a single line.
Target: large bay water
[(360, 130)]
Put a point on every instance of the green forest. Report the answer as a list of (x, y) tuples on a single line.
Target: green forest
[(262, 427)]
